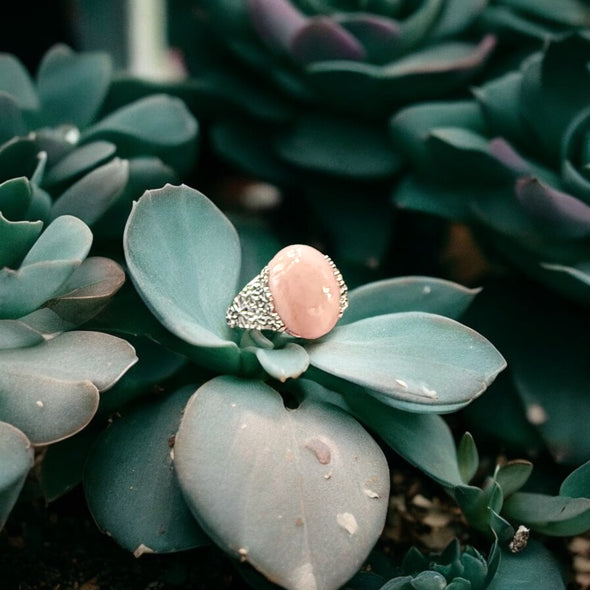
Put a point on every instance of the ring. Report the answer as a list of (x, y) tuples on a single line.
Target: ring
[(300, 292)]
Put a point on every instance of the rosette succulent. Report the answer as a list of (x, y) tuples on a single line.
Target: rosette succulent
[(261, 443), (304, 88), (51, 375), (511, 163), (80, 158)]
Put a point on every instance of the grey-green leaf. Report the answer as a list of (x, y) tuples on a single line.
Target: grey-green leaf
[(132, 463), (413, 360), (51, 391), (413, 293), (184, 258), (467, 457), (300, 494), (16, 460), (284, 363)]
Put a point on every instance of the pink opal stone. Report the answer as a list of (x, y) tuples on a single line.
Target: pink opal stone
[(305, 291)]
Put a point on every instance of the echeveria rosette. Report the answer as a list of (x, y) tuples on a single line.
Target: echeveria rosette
[(80, 159), (184, 258), (513, 163), (51, 375), (304, 90)]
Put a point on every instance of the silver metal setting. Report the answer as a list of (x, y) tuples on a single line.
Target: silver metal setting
[(253, 307)]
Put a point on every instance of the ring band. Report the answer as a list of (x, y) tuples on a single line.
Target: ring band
[(300, 292)]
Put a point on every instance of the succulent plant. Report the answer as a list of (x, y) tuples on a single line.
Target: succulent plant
[(81, 159), (511, 165), (297, 93), (223, 448), (51, 375)]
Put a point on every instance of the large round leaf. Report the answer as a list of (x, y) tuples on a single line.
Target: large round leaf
[(301, 493), (412, 360), (130, 484), (51, 391), (16, 459), (184, 258)]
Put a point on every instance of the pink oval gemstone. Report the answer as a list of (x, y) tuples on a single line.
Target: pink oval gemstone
[(305, 291)]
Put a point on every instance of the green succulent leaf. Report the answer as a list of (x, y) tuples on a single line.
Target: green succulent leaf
[(16, 82), (577, 483), (15, 197), (414, 293), (16, 460), (72, 86), (157, 125), (12, 121), (184, 258), (79, 161), (132, 462), (319, 481), (94, 193), (30, 330), (534, 567), (424, 440), (550, 515), (513, 475), (58, 251), (412, 360), (329, 144), (16, 239), (467, 458), (88, 290), (51, 391), (284, 363)]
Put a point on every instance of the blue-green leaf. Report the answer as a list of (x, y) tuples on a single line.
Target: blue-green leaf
[(72, 86), (50, 391), (412, 360), (16, 460), (130, 484), (184, 258), (16, 82), (300, 494), (414, 293), (284, 363)]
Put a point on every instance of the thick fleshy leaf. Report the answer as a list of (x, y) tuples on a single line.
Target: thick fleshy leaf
[(16, 239), (16, 460), (323, 39), (550, 515), (15, 198), (553, 211), (88, 290), (55, 255), (130, 484), (32, 329), (534, 567), (414, 293), (16, 81), (284, 363), (72, 86), (51, 391), (412, 360), (410, 127), (12, 122), (467, 458), (80, 161), (572, 13), (300, 494), (323, 143), (184, 258), (18, 157), (513, 475), (417, 26), (94, 193), (577, 483), (157, 125), (276, 21), (424, 440), (456, 17)]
